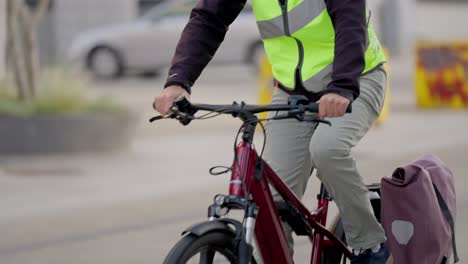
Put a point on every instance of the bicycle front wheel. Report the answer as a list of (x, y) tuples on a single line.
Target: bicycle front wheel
[(214, 247)]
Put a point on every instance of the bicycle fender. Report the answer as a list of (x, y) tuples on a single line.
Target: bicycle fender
[(202, 228)]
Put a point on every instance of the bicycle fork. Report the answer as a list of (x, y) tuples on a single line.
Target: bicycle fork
[(244, 231)]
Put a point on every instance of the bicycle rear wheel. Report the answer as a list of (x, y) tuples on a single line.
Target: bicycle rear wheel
[(214, 247), (332, 255)]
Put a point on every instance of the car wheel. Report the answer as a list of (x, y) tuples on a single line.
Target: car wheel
[(105, 63), (150, 74)]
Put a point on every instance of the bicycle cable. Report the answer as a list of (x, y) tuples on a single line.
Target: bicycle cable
[(220, 111), (251, 121)]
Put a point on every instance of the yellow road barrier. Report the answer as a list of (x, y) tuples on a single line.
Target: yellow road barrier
[(442, 74), (265, 87), (385, 112)]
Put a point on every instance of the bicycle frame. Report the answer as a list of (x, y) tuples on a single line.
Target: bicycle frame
[(256, 175), (249, 188)]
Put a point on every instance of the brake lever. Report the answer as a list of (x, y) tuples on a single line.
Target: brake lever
[(290, 114), (184, 118), (156, 118), (302, 118), (318, 120), (173, 113), (180, 110)]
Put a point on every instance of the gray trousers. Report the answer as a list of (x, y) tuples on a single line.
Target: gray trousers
[(294, 149)]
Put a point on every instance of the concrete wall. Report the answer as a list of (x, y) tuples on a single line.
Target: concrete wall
[(2, 37), (70, 17), (397, 25), (442, 21), (402, 22)]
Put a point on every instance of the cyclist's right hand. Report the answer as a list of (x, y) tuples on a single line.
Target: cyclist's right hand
[(164, 101)]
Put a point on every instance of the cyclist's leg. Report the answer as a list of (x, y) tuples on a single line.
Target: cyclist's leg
[(287, 152), (331, 155)]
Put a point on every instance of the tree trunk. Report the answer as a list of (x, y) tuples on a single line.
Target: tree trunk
[(22, 26), (27, 29), (32, 20), (15, 44), (3, 20)]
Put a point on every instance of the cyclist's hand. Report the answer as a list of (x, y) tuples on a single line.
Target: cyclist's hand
[(332, 105), (163, 102)]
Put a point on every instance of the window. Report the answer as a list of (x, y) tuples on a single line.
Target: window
[(167, 8), (33, 3), (181, 9), (444, 1)]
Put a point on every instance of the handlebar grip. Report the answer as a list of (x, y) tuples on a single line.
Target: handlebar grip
[(314, 108), (349, 109), (183, 104)]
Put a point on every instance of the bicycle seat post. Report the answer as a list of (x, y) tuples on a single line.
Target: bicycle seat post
[(324, 194)]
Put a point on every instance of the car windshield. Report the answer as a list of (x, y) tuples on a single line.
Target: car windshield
[(175, 8), (169, 8)]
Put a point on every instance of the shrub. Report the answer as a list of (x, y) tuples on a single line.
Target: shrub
[(59, 92)]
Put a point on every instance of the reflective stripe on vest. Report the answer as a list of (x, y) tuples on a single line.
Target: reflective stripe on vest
[(299, 39)]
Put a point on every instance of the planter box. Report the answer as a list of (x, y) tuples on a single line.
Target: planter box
[(89, 132)]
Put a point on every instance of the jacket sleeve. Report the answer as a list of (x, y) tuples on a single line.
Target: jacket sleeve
[(203, 34), (350, 23)]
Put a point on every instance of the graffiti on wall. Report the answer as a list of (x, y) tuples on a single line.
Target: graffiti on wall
[(442, 74)]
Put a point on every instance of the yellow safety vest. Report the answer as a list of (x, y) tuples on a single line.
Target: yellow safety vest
[(299, 40)]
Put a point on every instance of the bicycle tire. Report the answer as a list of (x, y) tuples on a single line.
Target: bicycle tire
[(190, 245), (333, 255)]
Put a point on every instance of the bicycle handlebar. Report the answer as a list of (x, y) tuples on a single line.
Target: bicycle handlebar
[(255, 109), (297, 105)]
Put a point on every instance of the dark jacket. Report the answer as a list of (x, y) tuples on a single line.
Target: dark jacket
[(209, 22)]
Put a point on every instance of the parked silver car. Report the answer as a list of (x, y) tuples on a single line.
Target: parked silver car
[(146, 45)]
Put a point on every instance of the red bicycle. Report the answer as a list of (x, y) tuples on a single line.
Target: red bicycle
[(226, 240)]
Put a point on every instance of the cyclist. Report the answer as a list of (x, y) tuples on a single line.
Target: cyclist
[(327, 51)]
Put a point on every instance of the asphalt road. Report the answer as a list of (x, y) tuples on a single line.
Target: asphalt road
[(131, 207)]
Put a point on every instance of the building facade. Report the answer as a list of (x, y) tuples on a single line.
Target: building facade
[(398, 22), (67, 18)]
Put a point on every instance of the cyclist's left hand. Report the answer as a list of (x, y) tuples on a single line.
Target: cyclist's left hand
[(332, 105)]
